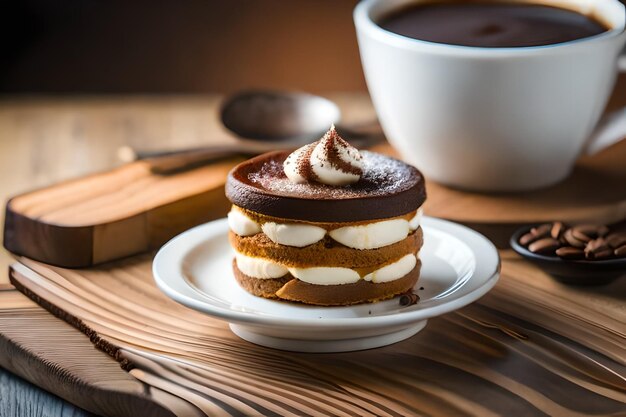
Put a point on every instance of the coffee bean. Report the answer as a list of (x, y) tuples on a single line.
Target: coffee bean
[(597, 245), (590, 241), (598, 249), (544, 246), (570, 252), (570, 239), (592, 230), (541, 231), (557, 230), (580, 235), (527, 239), (616, 240), (409, 298), (600, 254)]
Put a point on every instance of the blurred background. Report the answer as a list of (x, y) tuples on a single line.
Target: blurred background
[(185, 46), (188, 46)]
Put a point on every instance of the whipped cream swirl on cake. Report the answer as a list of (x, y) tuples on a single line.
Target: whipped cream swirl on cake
[(330, 161)]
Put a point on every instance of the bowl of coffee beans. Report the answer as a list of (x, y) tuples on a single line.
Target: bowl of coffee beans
[(584, 254)]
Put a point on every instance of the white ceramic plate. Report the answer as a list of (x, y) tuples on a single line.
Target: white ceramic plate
[(458, 267)]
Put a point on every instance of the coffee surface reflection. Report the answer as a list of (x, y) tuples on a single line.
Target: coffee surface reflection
[(489, 24)]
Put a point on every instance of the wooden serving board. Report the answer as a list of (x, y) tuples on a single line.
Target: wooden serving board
[(53, 355), (112, 215), (131, 210), (530, 347)]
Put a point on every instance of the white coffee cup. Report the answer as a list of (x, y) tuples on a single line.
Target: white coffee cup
[(490, 119)]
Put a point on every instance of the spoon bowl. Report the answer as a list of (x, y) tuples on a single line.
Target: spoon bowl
[(273, 116)]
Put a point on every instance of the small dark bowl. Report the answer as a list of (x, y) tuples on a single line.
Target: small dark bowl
[(579, 272)]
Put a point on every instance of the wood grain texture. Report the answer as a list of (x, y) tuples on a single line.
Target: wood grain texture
[(51, 354), (112, 215), (537, 349), (18, 397)]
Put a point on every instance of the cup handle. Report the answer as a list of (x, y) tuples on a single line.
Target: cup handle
[(612, 127)]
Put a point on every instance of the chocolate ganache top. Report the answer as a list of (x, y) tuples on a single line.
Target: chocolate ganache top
[(387, 188)]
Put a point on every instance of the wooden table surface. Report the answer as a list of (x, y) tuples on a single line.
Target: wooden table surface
[(44, 140)]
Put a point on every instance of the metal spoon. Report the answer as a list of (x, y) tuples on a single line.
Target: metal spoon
[(264, 121), (273, 116)]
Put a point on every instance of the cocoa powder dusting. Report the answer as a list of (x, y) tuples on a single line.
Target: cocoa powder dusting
[(332, 145), (303, 165)]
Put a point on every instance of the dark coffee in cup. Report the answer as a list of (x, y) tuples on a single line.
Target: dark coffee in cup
[(490, 24)]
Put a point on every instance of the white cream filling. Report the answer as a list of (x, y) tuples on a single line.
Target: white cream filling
[(326, 275), (414, 223), (372, 235), (242, 224), (298, 235), (368, 236), (264, 269), (259, 267), (393, 271)]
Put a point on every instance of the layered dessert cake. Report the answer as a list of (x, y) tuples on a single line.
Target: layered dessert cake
[(326, 224)]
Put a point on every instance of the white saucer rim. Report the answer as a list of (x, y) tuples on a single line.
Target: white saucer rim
[(403, 317)]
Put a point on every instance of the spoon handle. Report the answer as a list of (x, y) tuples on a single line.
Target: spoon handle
[(167, 162)]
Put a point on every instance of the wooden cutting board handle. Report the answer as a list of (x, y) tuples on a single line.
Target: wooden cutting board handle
[(114, 214)]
